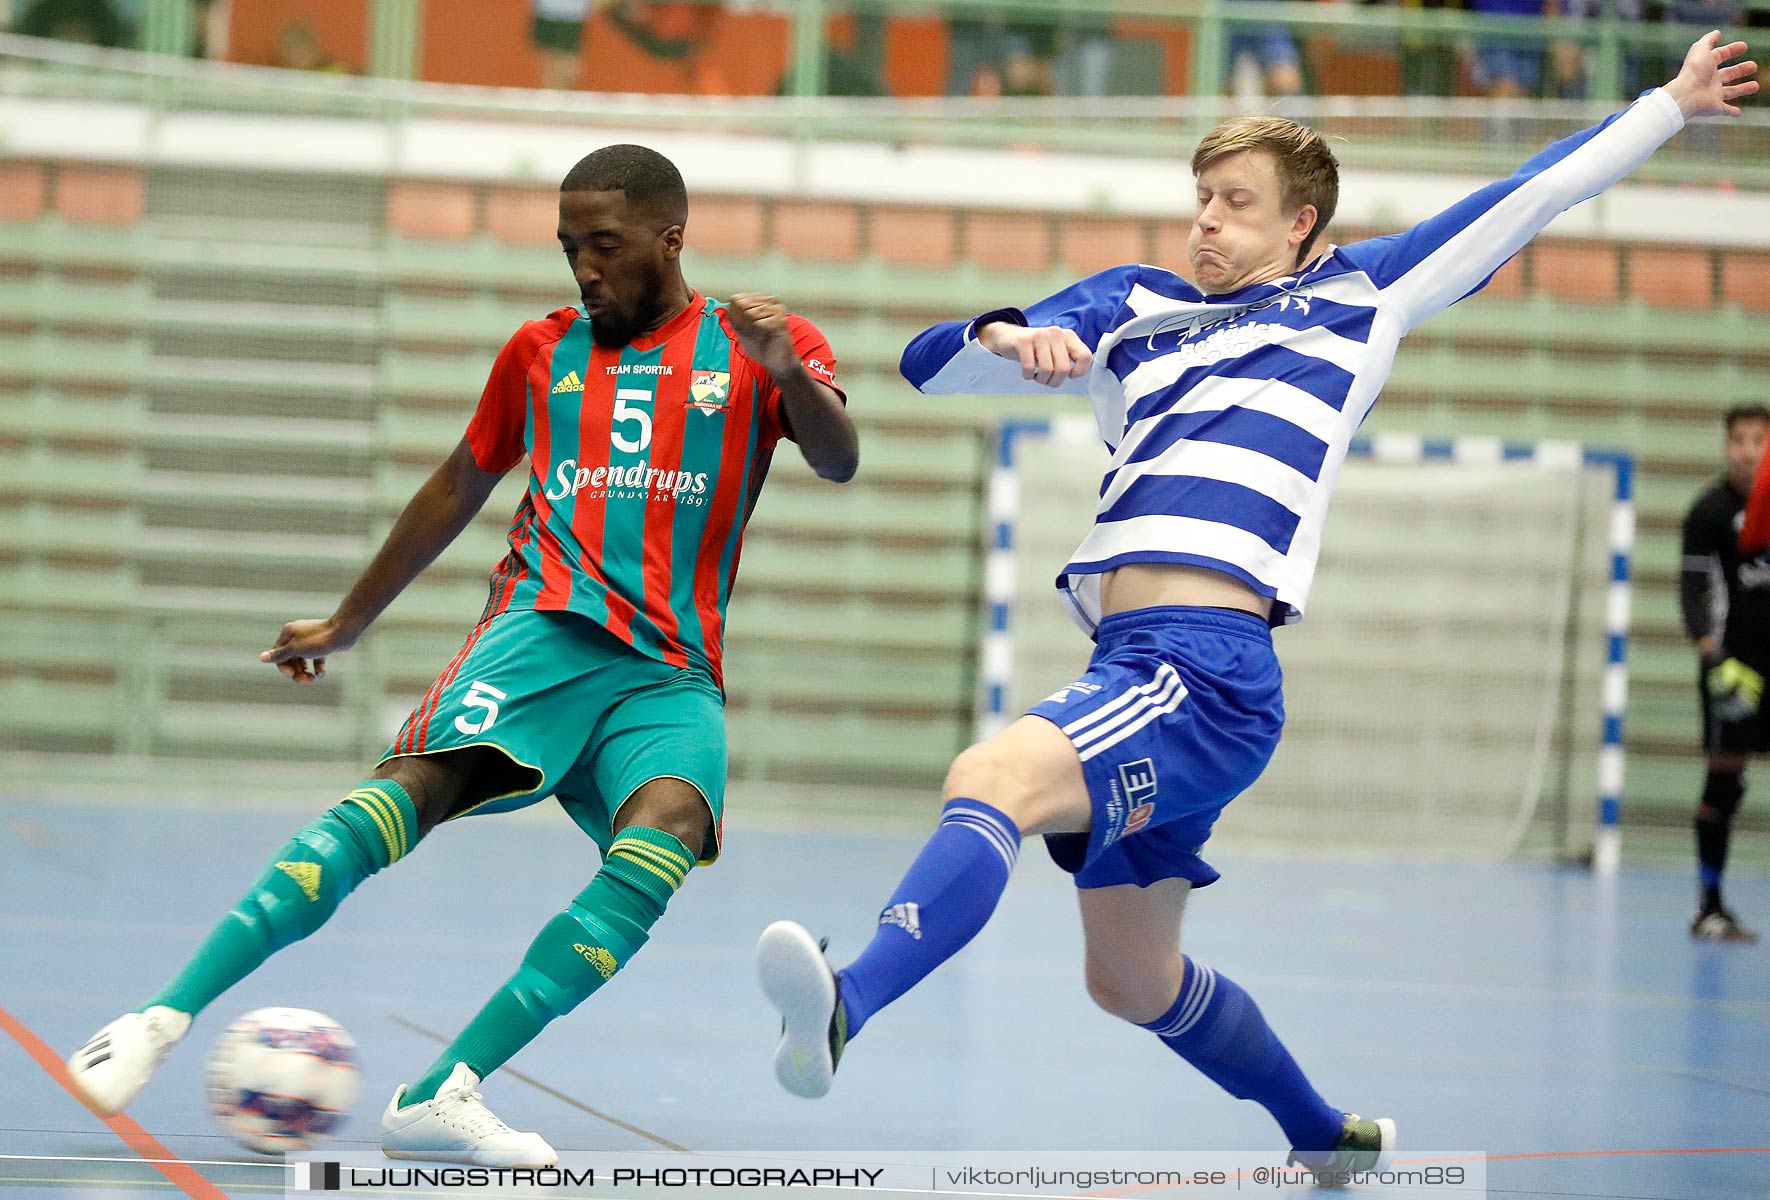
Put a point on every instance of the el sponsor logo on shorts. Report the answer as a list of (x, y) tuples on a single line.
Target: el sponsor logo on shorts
[(1138, 779), (1130, 809)]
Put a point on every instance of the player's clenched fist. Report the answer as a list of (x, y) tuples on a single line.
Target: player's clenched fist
[(301, 641), (1048, 355), (761, 325)]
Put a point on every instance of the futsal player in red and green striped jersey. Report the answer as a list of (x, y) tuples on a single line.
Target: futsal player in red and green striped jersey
[(648, 415)]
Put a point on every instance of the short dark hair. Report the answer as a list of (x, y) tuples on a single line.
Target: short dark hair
[(1745, 412), (651, 182)]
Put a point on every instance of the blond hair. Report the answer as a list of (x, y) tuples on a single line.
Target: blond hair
[(1308, 172)]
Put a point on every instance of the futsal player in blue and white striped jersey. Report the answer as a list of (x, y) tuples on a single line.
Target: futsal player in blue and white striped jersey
[(1228, 404)]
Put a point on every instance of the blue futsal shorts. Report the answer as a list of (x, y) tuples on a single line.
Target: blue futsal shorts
[(1178, 712)]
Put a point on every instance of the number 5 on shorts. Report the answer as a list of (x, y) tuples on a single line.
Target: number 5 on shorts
[(480, 695)]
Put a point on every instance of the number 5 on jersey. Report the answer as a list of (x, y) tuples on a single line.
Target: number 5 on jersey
[(479, 695), (624, 413)]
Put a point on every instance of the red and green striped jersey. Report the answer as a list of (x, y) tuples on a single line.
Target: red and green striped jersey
[(645, 462)]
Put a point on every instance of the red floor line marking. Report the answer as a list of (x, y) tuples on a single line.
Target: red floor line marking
[(145, 1144)]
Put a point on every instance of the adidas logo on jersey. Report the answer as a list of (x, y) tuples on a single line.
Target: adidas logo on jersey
[(571, 383), (907, 917)]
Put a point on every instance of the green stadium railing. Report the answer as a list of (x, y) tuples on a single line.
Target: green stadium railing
[(1405, 132)]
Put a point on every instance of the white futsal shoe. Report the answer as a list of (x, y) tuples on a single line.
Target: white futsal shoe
[(457, 1127), (797, 979), (113, 1066)]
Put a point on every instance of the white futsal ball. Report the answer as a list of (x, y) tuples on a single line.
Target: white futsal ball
[(282, 1079)]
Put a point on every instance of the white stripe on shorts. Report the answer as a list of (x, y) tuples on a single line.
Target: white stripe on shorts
[(1128, 696), (1168, 691), (1155, 710)]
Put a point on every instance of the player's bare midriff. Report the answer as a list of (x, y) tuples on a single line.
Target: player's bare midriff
[(1147, 585)]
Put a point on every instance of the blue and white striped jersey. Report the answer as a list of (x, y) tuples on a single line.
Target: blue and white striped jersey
[(1229, 416)]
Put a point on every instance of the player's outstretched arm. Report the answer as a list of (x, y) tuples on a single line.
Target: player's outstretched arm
[(1010, 352), (1446, 257), (436, 515), (814, 411)]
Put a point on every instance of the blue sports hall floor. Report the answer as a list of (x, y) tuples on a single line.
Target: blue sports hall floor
[(1563, 1025)]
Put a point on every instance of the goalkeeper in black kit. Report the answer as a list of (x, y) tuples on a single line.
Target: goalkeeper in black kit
[(1726, 601)]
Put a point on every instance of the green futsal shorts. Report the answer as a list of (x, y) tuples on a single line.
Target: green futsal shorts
[(582, 715)]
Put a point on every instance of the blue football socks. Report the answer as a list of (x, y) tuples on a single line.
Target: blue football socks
[(948, 895), (1217, 1027)]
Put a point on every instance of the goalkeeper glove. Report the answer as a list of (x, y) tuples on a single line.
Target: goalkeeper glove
[(1734, 690)]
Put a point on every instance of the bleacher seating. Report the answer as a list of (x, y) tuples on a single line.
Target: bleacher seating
[(195, 447)]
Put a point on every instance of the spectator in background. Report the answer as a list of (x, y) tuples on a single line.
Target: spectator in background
[(992, 56), (1428, 60), (1710, 14), (557, 31), (1570, 60), (1273, 50), (299, 49), (1084, 64), (998, 57), (1567, 56), (854, 55), (971, 47), (1029, 60), (857, 66), (1506, 67), (94, 22), (667, 32)]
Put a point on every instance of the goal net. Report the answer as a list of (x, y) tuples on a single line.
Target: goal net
[(1452, 690)]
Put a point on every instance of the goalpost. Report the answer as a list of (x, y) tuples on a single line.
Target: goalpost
[(1458, 686)]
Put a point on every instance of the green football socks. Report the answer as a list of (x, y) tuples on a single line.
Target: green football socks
[(373, 826), (574, 954)]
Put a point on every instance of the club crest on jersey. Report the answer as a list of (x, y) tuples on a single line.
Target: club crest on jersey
[(709, 391)]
